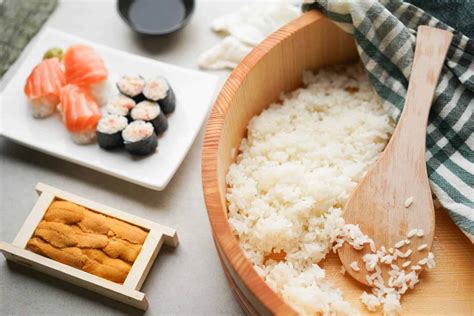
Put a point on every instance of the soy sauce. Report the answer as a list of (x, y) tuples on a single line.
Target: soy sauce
[(157, 16)]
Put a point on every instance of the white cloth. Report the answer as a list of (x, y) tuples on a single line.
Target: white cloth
[(245, 29)]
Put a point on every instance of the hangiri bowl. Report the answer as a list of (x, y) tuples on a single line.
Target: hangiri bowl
[(274, 66)]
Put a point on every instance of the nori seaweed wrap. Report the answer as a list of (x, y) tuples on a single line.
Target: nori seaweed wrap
[(158, 89)]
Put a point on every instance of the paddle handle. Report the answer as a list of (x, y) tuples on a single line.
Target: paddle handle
[(432, 45)]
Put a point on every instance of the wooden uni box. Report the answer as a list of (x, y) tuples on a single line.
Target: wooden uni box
[(128, 292)]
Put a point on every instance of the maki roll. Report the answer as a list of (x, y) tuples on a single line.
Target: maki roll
[(159, 90), (120, 105), (132, 86), (109, 131), (139, 138), (150, 112)]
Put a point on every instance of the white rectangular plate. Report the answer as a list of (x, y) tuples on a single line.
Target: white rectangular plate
[(194, 93)]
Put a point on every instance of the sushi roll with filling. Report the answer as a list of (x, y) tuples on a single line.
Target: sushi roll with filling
[(132, 86), (120, 105), (150, 112), (158, 89), (109, 131), (139, 138)]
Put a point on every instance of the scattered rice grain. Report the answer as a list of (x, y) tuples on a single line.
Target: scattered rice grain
[(412, 233), (400, 244), (422, 262), (422, 247), (355, 266), (408, 202), (406, 264)]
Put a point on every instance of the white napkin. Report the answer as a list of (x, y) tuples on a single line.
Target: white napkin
[(245, 28)]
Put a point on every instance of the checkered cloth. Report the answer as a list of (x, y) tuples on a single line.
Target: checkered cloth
[(385, 34)]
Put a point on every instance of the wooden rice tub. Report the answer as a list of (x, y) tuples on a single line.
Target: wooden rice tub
[(309, 42)]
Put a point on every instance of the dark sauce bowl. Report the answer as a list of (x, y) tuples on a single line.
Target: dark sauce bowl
[(155, 17)]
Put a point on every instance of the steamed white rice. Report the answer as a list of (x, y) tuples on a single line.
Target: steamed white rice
[(294, 172)]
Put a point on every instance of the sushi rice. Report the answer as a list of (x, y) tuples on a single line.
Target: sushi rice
[(83, 138), (120, 105), (109, 131), (44, 107), (140, 138), (156, 89), (131, 85), (112, 123), (100, 91), (137, 131), (150, 112), (145, 111)]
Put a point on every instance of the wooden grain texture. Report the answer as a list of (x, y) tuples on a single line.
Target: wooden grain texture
[(74, 276), (447, 290), (169, 234), (377, 204), (276, 65), (36, 215), (142, 265), (128, 291)]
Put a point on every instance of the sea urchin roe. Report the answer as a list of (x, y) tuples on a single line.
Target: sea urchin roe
[(70, 234)]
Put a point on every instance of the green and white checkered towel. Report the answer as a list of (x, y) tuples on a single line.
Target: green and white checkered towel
[(385, 34)]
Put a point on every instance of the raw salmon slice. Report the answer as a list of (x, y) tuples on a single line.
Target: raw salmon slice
[(80, 113), (43, 86), (83, 66)]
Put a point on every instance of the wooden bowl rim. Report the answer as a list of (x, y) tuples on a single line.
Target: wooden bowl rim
[(216, 211)]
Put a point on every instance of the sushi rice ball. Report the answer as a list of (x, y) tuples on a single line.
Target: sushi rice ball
[(139, 138), (43, 87), (80, 113), (120, 105), (84, 67), (158, 89), (101, 92), (150, 112), (109, 131), (132, 86)]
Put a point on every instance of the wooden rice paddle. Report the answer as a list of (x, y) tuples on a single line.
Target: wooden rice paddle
[(378, 202)]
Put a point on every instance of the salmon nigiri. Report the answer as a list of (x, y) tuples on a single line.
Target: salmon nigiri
[(43, 87), (83, 66), (80, 113)]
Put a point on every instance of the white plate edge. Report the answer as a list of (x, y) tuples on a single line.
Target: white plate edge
[(157, 187)]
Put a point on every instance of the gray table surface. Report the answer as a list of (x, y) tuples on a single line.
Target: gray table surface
[(185, 281)]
